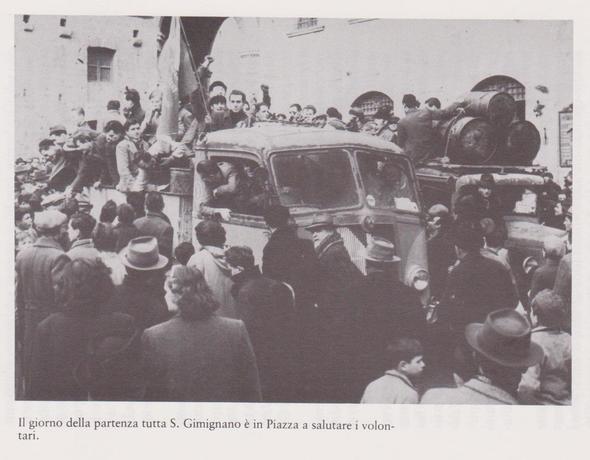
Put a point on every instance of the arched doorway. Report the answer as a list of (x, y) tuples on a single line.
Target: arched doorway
[(200, 33), (508, 85), (371, 101)]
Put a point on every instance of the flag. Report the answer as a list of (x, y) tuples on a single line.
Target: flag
[(176, 76)]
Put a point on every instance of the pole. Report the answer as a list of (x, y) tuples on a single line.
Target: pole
[(193, 65)]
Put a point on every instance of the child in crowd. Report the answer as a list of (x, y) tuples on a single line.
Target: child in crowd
[(549, 382), (397, 385)]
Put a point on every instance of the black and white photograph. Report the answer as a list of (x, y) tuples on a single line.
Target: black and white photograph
[(293, 210)]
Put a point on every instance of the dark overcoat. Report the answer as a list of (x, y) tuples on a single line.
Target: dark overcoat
[(60, 346), (157, 224), (475, 287), (266, 307), (203, 360), (38, 268)]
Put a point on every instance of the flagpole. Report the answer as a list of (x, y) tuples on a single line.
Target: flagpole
[(193, 65)]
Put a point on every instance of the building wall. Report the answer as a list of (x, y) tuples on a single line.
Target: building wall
[(51, 71), (341, 59)]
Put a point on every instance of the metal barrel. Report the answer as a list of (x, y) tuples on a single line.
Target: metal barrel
[(521, 144), (469, 140), (497, 107)]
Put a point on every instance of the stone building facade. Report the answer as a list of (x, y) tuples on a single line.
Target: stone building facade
[(338, 62), (69, 61)]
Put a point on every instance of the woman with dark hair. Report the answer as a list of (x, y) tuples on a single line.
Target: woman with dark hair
[(197, 355), (84, 291)]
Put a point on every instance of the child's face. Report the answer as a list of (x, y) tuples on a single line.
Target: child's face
[(413, 368)]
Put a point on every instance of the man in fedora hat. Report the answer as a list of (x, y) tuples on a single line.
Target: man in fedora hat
[(503, 350), (337, 269), (38, 268), (142, 293), (416, 133), (338, 279), (390, 310)]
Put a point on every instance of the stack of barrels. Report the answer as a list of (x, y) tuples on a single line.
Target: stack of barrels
[(489, 132)]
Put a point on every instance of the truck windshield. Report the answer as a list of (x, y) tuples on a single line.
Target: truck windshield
[(510, 199), (315, 179), (386, 182), (518, 200)]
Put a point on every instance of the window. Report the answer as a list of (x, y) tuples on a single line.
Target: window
[(100, 62), (26, 18), (370, 102), (386, 182), (245, 188), (306, 23), (315, 180), (62, 22), (507, 85)]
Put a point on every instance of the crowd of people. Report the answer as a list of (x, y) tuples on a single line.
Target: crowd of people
[(124, 149), (109, 310)]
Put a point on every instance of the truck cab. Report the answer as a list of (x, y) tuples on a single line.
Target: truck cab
[(366, 184), (518, 189)]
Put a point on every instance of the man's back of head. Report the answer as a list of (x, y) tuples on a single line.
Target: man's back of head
[(277, 216), (154, 202), (210, 233)]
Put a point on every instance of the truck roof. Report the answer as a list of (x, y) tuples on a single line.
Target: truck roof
[(271, 137)]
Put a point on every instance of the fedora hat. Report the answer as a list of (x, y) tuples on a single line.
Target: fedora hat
[(142, 254), (381, 250), (505, 338), (321, 220)]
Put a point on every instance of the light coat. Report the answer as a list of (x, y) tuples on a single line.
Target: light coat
[(478, 390), (210, 261), (393, 388)]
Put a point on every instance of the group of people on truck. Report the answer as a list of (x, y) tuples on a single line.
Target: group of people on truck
[(124, 149)]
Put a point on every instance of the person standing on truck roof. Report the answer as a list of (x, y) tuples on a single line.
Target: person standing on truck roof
[(132, 106), (236, 108), (416, 133), (385, 124)]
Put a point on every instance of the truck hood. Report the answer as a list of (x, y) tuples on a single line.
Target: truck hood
[(523, 234)]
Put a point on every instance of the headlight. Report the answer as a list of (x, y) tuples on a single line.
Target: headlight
[(418, 278), (529, 265)]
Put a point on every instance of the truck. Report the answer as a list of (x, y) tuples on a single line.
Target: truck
[(365, 183)]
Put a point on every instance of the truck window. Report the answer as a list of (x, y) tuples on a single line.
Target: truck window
[(386, 182), (317, 180), (242, 186)]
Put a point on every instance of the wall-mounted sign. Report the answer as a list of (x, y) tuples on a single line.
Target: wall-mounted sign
[(566, 134)]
